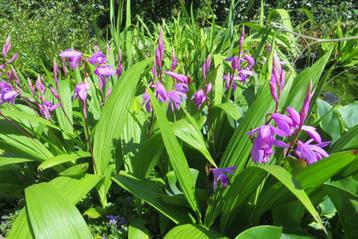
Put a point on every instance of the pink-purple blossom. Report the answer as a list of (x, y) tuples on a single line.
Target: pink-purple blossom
[(46, 108), (201, 96), (7, 94), (98, 58), (73, 56), (311, 153), (221, 176)]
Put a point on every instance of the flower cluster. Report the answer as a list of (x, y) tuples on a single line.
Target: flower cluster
[(8, 89), (287, 126), (242, 67), (176, 96)]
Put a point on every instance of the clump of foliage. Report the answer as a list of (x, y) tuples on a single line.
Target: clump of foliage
[(40, 29), (212, 131)]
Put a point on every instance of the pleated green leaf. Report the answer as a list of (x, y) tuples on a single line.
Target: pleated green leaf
[(74, 189), (52, 215), (8, 161), (151, 192), (192, 231), (112, 121), (349, 140), (259, 232), (137, 229), (114, 115), (176, 155), (346, 204), (62, 158)]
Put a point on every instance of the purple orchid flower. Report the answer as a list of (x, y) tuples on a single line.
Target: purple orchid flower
[(6, 47), (182, 87), (55, 74), (306, 104), (201, 96), (98, 58), (119, 68), (228, 79), (242, 39), (103, 72), (31, 87), (73, 56), (81, 90), (7, 94), (146, 101), (159, 55), (54, 92), (221, 176), (46, 108), (160, 92), (179, 77), (13, 58), (206, 67), (263, 144), (40, 85), (175, 99), (174, 61), (277, 81), (311, 153)]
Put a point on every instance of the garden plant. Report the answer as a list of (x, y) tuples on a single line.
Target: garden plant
[(180, 130)]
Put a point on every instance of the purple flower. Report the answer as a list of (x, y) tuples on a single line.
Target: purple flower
[(54, 92), (40, 85), (116, 220), (182, 87), (73, 56), (174, 61), (46, 108), (201, 96), (277, 81), (146, 101), (309, 152), (221, 176), (154, 71), (7, 94), (263, 144), (32, 88), (55, 74), (205, 67), (105, 71), (235, 62), (81, 90), (98, 58), (160, 92), (229, 79), (175, 99), (179, 77), (306, 104), (119, 68), (13, 58), (242, 38), (160, 50), (6, 47)]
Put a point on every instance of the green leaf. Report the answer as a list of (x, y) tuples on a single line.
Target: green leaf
[(346, 204), (192, 136), (137, 229), (114, 115), (328, 119), (349, 140), (219, 83), (349, 114), (8, 161), (230, 109), (193, 232), (176, 155), (74, 189), (290, 183), (258, 232), (65, 117), (52, 215), (151, 193), (62, 158)]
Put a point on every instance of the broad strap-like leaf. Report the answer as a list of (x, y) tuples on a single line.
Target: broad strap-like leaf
[(192, 231), (346, 204), (62, 158), (112, 121), (176, 155), (74, 189), (151, 192), (52, 215), (259, 232), (137, 229)]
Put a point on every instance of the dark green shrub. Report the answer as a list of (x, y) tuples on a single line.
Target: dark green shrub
[(40, 29)]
